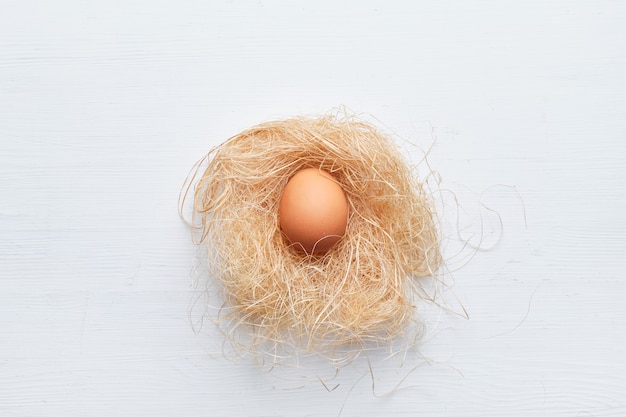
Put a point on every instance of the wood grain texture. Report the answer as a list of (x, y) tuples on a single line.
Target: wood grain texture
[(104, 108)]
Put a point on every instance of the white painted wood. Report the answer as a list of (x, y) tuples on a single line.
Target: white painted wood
[(104, 107)]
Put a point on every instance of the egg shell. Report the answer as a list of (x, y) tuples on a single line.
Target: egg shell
[(313, 210)]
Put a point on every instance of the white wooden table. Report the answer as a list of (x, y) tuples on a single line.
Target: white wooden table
[(105, 106)]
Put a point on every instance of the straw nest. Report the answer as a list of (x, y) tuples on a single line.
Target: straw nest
[(364, 289)]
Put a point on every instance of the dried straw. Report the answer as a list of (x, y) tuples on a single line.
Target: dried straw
[(363, 289)]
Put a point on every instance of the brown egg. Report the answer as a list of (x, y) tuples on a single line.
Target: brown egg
[(313, 210)]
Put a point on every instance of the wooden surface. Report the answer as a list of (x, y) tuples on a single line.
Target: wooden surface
[(104, 107)]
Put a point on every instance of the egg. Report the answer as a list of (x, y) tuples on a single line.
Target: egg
[(313, 210)]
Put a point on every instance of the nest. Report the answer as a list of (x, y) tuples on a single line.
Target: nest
[(364, 289)]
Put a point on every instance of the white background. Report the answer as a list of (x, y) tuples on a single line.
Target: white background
[(104, 107)]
